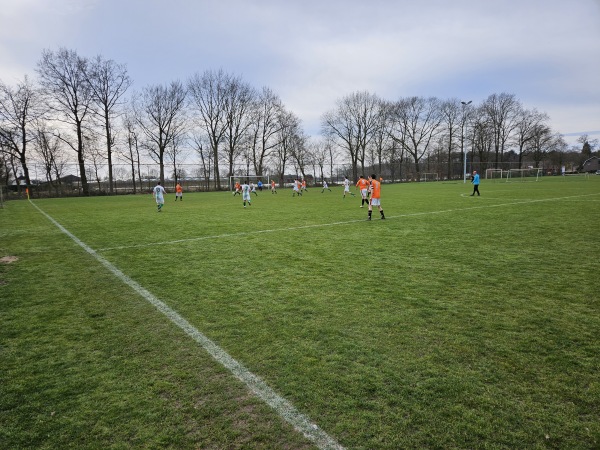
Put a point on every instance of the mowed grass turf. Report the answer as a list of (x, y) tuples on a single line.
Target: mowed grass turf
[(457, 322)]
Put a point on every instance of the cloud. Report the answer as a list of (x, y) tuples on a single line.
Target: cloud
[(313, 52)]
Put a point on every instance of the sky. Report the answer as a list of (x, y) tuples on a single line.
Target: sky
[(313, 53)]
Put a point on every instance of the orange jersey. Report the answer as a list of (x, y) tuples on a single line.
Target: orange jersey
[(178, 188), (273, 184), (362, 183), (375, 189), (304, 184)]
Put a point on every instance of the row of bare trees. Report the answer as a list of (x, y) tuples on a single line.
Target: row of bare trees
[(85, 108), (77, 103), (375, 132), (73, 99)]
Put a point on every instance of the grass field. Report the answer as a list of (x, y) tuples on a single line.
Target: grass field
[(457, 323)]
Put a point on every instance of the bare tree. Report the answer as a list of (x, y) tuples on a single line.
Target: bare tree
[(109, 82), (395, 155), (318, 151), (289, 128), (95, 156), (352, 125), (10, 163), (160, 115), (526, 124), (64, 82), (49, 150), (332, 153), (208, 95), (20, 108), (132, 151), (542, 142), (264, 127), (382, 141), (4, 172), (417, 123), (502, 115), (299, 151), (176, 153), (482, 140), (239, 98), (454, 118), (206, 156)]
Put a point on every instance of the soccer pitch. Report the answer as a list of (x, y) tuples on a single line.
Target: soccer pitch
[(457, 322)]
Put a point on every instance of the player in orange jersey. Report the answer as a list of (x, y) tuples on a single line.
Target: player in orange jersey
[(238, 188), (363, 185), (273, 190), (375, 196), (178, 192), (303, 187)]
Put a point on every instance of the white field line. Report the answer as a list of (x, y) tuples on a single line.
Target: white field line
[(284, 408), (322, 225)]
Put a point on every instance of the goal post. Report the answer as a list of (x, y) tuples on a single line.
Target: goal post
[(495, 174), (529, 174), (429, 177), (251, 179)]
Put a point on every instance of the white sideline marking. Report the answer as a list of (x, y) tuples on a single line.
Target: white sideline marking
[(227, 235), (284, 408), (321, 225)]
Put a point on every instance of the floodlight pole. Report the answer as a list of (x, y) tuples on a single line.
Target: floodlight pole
[(465, 104)]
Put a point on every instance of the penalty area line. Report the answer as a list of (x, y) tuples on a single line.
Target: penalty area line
[(255, 384)]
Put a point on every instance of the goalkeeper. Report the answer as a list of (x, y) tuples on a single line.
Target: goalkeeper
[(475, 183)]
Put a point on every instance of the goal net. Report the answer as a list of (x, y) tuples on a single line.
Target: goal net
[(495, 174), (254, 179), (429, 177), (530, 174)]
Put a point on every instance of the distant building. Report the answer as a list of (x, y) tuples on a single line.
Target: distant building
[(591, 165), (70, 179)]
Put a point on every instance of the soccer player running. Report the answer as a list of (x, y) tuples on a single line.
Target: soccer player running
[(325, 187), (363, 186), (246, 193), (375, 196), (178, 192), (296, 187), (303, 187), (347, 187), (273, 190), (238, 188), (159, 195)]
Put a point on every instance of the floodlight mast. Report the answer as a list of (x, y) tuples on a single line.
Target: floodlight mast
[(465, 104)]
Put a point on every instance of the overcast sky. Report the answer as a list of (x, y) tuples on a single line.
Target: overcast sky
[(312, 53)]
